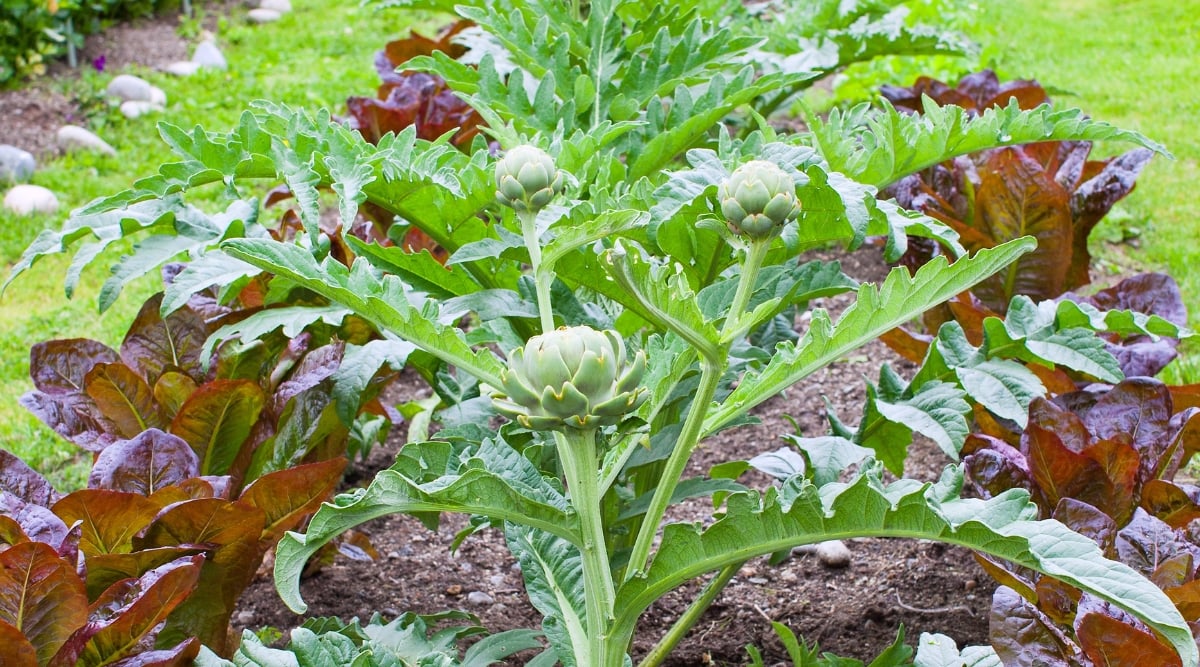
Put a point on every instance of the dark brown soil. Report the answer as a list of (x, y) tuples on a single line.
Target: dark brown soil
[(854, 611)]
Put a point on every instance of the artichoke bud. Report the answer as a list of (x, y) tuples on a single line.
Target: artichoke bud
[(526, 179), (757, 199), (574, 377)]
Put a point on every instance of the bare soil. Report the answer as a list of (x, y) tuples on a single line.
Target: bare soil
[(854, 611)]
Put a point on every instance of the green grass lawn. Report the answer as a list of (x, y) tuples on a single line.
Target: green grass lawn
[(1132, 64), (314, 57)]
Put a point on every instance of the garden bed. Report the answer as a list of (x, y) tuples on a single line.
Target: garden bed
[(853, 611)]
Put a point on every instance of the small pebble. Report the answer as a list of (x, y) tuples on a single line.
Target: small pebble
[(516, 567), (263, 15), (757, 581), (207, 54), (281, 6), (454, 589), (496, 580), (969, 585), (244, 617), (134, 108), (479, 598), (128, 87), (804, 550), (27, 199), (75, 138), (182, 68), (833, 553), (16, 165)]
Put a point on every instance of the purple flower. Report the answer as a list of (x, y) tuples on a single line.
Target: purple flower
[(98, 63)]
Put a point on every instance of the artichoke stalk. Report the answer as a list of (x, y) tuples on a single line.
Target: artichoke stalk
[(757, 199), (571, 378)]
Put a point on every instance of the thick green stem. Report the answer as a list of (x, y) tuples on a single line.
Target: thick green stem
[(541, 279), (577, 451), (693, 613), (689, 437)]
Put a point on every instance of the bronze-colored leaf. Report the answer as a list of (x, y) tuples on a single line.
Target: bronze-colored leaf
[(287, 496), (216, 420), (171, 390), (108, 519), (42, 596), (1107, 641), (122, 396)]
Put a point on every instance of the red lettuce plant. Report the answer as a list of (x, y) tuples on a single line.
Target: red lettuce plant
[(1049, 190), (217, 458), (1102, 461), (415, 99)]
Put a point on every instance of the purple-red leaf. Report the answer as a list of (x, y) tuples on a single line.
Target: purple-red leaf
[(108, 519), (231, 532), (42, 596), (1107, 641), (1169, 503), (73, 416), (123, 397), (1140, 409), (151, 461), (58, 366), (37, 523), (181, 655), (154, 345), (17, 478), (1088, 521), (18, 652), (216, 420), (128, 612), (1017, 197), (286, 496), (1145, 543), (1095, 197), (1023, 636)]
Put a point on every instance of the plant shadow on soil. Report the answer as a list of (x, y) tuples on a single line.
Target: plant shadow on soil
[(853, 611)]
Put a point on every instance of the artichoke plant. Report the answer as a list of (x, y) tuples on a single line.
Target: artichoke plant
[(527, 179), (758, 199), (572, 378)]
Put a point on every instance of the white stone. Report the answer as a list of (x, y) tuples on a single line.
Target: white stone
[(129, 87), (479, 598), (833, 553), (16, 165), (182, 68), (281, 6), (75, 138), (134, 108), (26, 199), (208, 55), (263, 15), (157, 97)]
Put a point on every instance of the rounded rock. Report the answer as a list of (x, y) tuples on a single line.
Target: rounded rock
[(157, 97), (281, 6), (834, 553), (29, 199), (127, 87), (208, 55), (479, 598), (16, 165), (263, 16), (182, 68), (75, 138), (135, 108)]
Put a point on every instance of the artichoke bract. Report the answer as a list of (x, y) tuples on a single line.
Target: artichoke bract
[(571, 378), (757, 199), (526, 179)]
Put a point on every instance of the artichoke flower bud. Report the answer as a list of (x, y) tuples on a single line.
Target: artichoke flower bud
[(758, 199), (571, 378), (526, 179)]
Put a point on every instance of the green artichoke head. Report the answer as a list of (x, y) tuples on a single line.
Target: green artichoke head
[(757, 199), (571, 378), (526, 179)]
